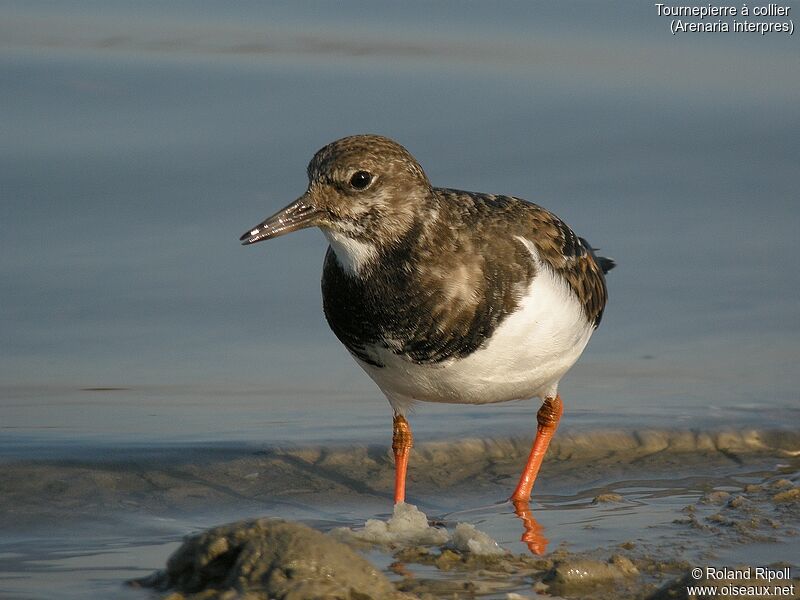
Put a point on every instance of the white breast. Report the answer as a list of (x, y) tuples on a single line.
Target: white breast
[(526, 356), (352, 254)]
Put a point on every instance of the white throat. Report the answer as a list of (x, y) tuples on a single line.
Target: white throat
[(352, 255)]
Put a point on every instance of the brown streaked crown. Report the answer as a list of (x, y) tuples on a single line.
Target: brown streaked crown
[(381, 211)]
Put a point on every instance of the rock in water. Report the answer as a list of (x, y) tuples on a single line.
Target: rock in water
[(265, 559)]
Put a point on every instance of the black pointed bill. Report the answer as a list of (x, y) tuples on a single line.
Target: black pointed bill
[(298, 215)]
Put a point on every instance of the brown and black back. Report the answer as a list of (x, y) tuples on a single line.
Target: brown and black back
[(439, 292)]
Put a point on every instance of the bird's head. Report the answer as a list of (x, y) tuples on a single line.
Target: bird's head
[(363, 189)]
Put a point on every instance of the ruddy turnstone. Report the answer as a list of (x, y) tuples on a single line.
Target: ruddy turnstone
[(443, 295)]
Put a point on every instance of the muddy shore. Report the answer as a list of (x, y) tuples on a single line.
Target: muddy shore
[(621, 513), (267, 558)]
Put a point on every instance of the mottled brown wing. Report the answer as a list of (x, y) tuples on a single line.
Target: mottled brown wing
[(568, 255), (572, 258)]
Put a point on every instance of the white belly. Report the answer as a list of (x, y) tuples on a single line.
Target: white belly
[(526, 356)]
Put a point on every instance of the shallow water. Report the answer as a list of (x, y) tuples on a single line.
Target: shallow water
[(84, 525), (138, 337)]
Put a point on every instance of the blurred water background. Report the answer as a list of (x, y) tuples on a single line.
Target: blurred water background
[(139, 141)]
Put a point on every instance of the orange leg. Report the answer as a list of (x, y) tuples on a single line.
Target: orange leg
[(402, 440), (547, 417)]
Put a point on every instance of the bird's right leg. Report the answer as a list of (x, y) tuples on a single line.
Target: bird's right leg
[(548, 416), (402, 440)]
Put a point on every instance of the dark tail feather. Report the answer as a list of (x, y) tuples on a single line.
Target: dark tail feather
[(605, 263)]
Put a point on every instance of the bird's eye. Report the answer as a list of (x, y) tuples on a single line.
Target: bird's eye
[(360, 180)]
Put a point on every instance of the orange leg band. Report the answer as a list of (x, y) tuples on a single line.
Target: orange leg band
[(402, 440), (547, 417)]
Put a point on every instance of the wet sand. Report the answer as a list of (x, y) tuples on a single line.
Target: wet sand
[(616, 512)]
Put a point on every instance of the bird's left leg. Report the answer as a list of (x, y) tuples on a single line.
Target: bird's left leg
[(402, 440), (548, 416)]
